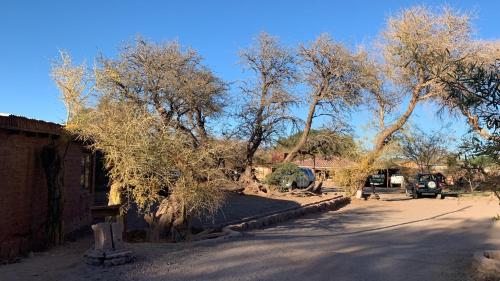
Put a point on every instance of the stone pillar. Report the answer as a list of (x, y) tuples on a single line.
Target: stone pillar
[(102, 237), (117, 233), (109, 248)]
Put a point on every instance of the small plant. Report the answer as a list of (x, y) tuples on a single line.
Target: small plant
[(283, 173)]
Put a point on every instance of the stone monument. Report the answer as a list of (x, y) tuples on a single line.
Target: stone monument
[(109, 248)]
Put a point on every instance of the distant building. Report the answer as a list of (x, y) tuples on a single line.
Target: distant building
[(323, 167), (23, 184)]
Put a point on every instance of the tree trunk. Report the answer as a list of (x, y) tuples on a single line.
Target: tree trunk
[(473, 122), (305, 133), (380, 141), (170, 222), (388, 132), (253, 144)]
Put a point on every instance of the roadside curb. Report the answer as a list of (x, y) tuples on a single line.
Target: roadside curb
[(236, 230)]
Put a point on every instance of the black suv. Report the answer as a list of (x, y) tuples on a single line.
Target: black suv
[(425, 184)]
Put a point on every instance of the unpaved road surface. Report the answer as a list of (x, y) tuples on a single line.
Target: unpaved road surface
[(389, 239)]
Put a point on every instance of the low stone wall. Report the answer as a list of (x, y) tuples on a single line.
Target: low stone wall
[(235, 230)]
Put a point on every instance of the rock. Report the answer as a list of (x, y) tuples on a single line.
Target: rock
[(487, 264)]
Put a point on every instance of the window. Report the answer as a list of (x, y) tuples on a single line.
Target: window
[(85, 175)]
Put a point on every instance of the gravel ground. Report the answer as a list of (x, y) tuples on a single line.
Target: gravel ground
[(389, 239)]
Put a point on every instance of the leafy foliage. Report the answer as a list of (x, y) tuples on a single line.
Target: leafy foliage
[(475, 91), (353, 177)]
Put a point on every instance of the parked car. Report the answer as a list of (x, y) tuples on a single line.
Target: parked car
[(302, 181), (397, 180), (425, 185), (377, 180)]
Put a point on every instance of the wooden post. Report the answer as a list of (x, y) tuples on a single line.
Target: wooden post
[(387, 178)]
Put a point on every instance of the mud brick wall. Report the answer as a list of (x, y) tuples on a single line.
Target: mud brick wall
[(23, 192)]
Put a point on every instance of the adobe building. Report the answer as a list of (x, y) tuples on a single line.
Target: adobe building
[(24, 189)]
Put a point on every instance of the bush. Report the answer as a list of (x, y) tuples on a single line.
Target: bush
[(283, 172), (353, 177)]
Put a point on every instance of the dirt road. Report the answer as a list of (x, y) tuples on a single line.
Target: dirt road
[(390, 239)]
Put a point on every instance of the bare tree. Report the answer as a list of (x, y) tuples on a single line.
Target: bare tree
[(267, 99), (424, 148), (333, 77)]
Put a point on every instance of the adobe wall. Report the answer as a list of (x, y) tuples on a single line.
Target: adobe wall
[(23, 193)]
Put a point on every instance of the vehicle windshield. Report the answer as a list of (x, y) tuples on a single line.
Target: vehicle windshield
[(427, 177)]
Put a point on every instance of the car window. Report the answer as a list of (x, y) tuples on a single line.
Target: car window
[(425, 177), (307, 172)]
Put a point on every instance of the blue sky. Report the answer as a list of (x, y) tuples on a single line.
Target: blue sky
[(32, 32)]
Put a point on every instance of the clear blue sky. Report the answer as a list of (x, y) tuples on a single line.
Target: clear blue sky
[(32, 32)]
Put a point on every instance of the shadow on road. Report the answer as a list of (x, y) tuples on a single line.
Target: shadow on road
[(326, 248)]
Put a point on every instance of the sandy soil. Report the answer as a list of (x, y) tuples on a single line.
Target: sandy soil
[(390, 239)]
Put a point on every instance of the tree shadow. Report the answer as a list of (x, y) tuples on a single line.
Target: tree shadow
[(235, 208), (238, 207), (363, 242), (346, 246)]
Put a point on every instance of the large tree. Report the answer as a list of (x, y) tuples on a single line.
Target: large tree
[(267, 99), (418, 47), (333, 80), (147, 112)]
